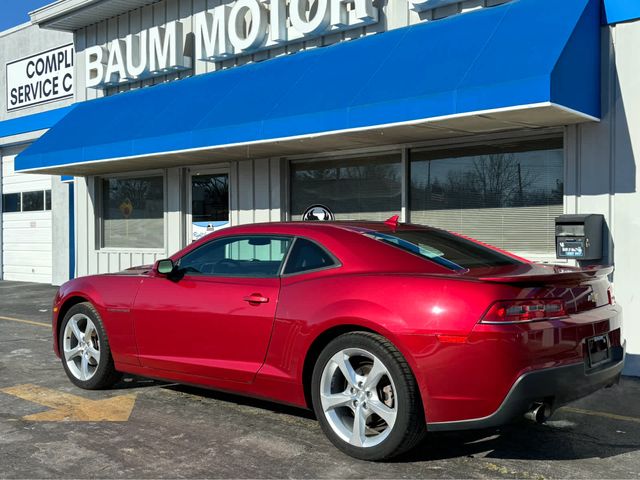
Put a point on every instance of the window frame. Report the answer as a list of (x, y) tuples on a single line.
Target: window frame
[(336, 262), (21, 201), (230, 238), (98, 188)]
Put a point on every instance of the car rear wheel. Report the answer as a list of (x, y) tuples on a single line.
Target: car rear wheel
[(366, 397), (84, 349)]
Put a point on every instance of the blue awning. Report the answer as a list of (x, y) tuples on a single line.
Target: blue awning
[(496, 64), (33, 123), (618, 11)]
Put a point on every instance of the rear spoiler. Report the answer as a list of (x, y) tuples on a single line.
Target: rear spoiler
[(559, 275)]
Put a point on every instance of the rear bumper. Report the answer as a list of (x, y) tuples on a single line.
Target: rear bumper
[(555, 386)]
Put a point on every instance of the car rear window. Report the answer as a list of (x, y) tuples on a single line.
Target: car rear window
[(305, 256), (444, 248)]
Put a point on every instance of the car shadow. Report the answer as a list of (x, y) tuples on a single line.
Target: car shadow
[(129, 382), (555, 440), (562, 438), (242, 400)]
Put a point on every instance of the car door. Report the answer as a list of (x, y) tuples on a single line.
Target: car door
[(216, 320)]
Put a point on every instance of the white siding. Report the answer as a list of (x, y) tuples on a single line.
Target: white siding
[(26, 236), (603, 175)]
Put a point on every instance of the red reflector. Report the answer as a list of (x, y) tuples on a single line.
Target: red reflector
[(524, 311), (451, 338)]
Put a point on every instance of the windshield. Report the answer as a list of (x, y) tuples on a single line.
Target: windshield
[(444, 248)]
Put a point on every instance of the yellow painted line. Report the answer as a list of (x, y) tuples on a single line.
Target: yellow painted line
[(72, 408), (30, 322), (593, 413)]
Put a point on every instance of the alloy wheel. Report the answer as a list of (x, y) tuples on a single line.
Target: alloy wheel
[(81, 347), (358, 397)]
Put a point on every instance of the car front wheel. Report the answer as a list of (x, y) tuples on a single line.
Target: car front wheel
[(84, 348), (366, 397)]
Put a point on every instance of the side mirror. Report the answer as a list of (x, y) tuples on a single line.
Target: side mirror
[(164, 267)]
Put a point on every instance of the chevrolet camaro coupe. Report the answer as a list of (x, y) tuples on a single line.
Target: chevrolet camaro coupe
[(385, 330)]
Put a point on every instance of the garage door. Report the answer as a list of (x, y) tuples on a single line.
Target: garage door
[(26, 225)]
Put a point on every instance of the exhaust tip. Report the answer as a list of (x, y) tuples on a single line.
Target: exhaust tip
[(538, 413)]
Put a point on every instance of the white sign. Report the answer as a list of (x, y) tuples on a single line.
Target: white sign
[(41, 78), (222, 32)]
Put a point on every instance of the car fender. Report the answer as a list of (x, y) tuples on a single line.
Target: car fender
[(113, 300), (378, 322)]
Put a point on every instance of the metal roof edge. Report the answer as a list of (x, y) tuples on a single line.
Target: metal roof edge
[(59, 15), (15, 29)]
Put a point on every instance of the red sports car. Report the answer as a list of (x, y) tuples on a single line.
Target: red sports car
[(386, 330)]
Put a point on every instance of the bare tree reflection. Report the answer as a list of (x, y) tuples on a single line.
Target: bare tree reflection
[(488, 181)]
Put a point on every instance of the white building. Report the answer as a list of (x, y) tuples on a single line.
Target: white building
[(490, 118)]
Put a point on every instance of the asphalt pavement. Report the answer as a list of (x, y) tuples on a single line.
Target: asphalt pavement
[(149, 429)]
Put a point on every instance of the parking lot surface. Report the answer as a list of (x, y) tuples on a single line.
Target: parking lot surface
[(149, 429)]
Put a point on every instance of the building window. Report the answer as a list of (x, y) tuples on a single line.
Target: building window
[(35, 201), (507, 195), (210, 198), (133, 212), (367, 188), (11, 202), (32, 201)]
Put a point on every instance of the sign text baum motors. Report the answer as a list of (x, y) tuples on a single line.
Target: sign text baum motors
[(226, 31)]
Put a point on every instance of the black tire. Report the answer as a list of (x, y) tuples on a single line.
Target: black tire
[(409, 427), (105, 374)]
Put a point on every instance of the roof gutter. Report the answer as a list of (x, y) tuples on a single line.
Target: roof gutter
[(70, 15)]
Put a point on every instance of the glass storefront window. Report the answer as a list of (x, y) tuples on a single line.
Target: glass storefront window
[(363, 188), (506, 195), (133, 212)]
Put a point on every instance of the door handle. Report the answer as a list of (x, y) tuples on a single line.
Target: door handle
[(256, 298)]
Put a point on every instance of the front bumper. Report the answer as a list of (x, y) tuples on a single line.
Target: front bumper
[(555, 386)]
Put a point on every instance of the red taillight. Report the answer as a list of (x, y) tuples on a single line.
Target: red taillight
[(510, 311)]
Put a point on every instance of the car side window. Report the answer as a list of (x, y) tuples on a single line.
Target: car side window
[(257, 256), (305, 256)]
